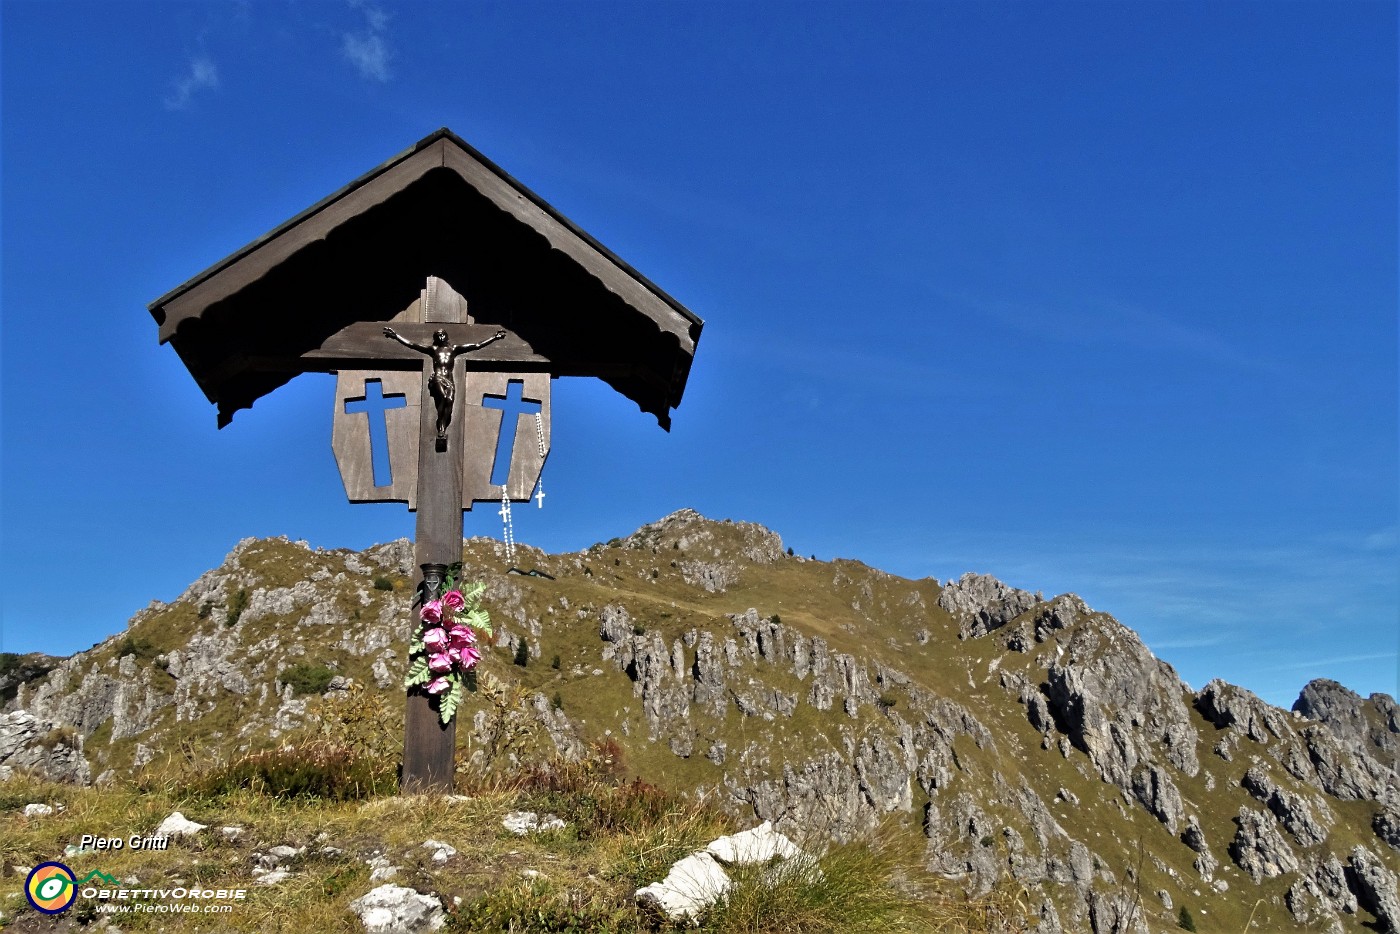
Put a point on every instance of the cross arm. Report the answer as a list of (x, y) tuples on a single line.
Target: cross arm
[(363, 344)]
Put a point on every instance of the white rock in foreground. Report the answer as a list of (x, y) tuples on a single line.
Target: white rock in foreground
[(442, 852), (381, 870), (693, 885), (38, 810), (759, 845), (523, 822), (270, 876), (396, 909), (176, 825)]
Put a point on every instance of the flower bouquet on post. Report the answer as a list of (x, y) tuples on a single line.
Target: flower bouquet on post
[(445, 648)]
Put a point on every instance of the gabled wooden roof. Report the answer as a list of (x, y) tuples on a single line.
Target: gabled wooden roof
[(251, 322)]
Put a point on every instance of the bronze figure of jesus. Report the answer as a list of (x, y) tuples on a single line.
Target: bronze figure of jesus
[(440, 383)]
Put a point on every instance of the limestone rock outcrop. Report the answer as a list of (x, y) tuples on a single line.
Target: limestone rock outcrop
[(1028, 739)]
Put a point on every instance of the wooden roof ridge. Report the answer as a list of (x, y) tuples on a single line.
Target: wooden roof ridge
[(159, 308)]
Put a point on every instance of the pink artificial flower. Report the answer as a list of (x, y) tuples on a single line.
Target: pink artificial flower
[(439, 663), (438, 685), (435, 639), (468, 658), (462, 636), (454, 600), (431, 611)]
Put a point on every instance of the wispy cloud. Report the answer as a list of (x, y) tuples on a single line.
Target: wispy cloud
[(1314, 664), (367, 49), (1385, 539), (203, 76), (1120, 324)]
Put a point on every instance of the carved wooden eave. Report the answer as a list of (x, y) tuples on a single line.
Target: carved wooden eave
[(314, 294)]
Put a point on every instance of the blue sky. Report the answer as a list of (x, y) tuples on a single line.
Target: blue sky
[(1097, 298)]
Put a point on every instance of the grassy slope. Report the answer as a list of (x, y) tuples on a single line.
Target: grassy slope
[(855, 608)]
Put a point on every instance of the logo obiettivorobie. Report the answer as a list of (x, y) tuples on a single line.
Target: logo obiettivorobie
[(50, 887)]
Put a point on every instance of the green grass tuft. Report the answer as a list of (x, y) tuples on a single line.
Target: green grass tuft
[(307, 679)]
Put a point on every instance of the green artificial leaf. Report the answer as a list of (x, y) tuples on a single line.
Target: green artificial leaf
[(415, 647), (481, 620), (418, 673), (474, 593), (447, 703)]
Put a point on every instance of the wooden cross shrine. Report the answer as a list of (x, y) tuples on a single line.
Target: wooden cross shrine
[(445, 296)]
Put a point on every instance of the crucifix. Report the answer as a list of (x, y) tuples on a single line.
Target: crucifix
[(436, 406), (441, 385)]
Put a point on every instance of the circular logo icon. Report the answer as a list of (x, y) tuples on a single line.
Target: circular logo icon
[(50, 887)]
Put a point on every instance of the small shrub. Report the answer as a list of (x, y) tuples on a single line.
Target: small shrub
[(236, 606), (1184, 919), (789, 551), (510, 728), (364, 723), (307, 679), (638, 629), (313, 770), (555, 662), (558, 701), (383, 583), (522, 652), (206, 608), (143, 649), (777, 620), (60, 736)]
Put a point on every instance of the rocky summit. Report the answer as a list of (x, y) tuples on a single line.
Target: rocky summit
[(1018, 737)]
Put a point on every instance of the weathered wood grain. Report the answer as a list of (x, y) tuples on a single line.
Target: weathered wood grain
[(350, 437), (428, 745), (483, 426), (363, 344)]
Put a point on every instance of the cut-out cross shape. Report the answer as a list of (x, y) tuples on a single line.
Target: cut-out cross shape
[(374, 404), (512, 406)]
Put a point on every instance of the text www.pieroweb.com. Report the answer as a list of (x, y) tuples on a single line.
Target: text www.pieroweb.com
[(161, 908)]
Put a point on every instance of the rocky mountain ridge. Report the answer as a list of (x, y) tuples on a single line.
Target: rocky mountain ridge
[(1019, 735)]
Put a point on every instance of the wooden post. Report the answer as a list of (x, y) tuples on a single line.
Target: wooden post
[(428, 745)]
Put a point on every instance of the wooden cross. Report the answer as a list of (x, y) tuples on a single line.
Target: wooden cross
[(461, 453), (465, 444)]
